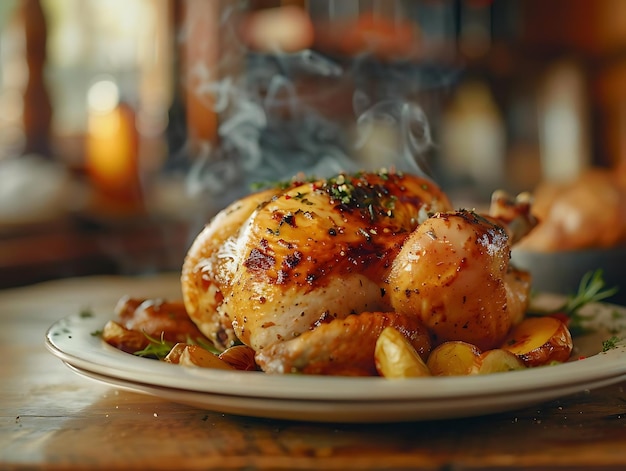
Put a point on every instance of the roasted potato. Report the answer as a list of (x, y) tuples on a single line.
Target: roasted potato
[(120, 337), (496, 361), (395, 357), (539, 341), (453, 358), (240, 357), (194, 355)]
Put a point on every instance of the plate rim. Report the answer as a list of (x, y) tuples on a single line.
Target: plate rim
[(338, 411)]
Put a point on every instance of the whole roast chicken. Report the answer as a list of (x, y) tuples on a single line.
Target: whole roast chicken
[(309, 274)]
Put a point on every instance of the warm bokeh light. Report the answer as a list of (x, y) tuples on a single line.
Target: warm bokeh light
[(112, 144), (103, 96)]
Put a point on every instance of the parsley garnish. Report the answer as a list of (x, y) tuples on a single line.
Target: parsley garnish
[(352, 191), (610, 344), (157, 348), (358, 192)]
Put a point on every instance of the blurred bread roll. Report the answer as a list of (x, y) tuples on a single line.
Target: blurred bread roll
[(589, 212)]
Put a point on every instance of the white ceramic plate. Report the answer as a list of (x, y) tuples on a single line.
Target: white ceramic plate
[(345, 399)]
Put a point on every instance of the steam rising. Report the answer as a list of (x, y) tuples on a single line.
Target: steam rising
[(271, 127)]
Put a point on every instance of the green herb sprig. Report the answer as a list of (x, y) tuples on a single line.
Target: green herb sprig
[(592, 288), (610, 344), (156, 348)]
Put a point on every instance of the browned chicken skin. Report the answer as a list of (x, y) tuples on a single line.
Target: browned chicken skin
[(330, 348), (206, 274), (289, 272), (139, 320), (452, 273)]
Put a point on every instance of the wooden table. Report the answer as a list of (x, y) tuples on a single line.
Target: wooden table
[(54, 419), (71, 247)]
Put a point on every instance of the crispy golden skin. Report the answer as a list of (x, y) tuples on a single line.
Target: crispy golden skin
[(453, 274)]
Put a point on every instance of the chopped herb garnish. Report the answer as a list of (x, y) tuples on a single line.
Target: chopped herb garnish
[(283, 184), (358, 192), (610, 344), (85, 314), (352, 191)]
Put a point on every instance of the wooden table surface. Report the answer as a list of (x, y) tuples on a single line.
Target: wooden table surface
[(54, 419)]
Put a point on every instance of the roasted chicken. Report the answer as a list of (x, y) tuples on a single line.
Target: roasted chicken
[(309, 275)]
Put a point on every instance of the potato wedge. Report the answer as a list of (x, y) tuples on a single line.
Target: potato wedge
[(453, 358), (395, 357), (120, 337), (194, 355), (240, 357), (497, 361), (539, 341), (175, 353)]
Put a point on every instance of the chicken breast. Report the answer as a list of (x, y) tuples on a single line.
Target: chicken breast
[(272, 265), (319, 251), (205, 273)]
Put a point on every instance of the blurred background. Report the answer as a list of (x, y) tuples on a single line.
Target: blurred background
[(126, 124)]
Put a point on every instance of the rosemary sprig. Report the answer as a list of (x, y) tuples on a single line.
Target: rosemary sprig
[(592, 288)]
